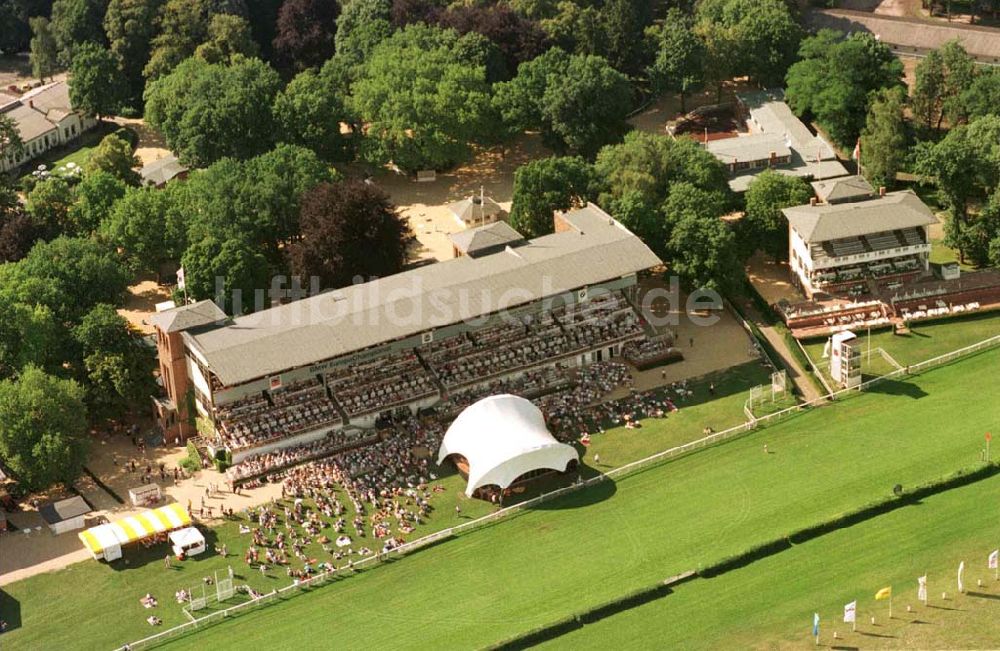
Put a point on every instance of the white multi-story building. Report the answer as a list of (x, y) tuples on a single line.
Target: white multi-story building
[(844, 248), (45, 119)]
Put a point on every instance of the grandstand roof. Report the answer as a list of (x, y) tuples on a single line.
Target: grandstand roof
[(896, 210), (595, 249), (484, 238), (843, 189), (503, 437), (195, 315)]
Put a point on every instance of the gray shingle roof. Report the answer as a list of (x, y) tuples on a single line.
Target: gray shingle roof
[(195, 315), (485, 237), (162, 170), (471, 209), (55, 512), (757, 146), (896, 210), (770, 114), (39, 110), (843, 188), (353, 318)]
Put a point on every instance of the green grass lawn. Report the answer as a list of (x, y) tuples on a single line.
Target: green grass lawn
[(596, 544), (77, 151), (32, 602), (770, 603), (923, 342)]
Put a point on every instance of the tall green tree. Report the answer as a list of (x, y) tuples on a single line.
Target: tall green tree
[(117, 368), (361, 26), (983, 96), (836, 79), (115, 156), (210, 111), (764, 226), (94, 199), (48, 204), (885, 143), (183, 25), (421, 107), (67, 275), (701, 248), (953, 165), (43, 429), (11, 145), (764, 35), (679, 64), (624, 22), (44, 50), (234, 272), (305, 29), (29, 335), (943, 78), (96, 86), (309, 112), (579, 102), (146, 229), (75, 22), (130, 26), (228, 36), (545, 185)]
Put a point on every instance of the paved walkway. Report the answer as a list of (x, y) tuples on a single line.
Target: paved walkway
[(797, 374)]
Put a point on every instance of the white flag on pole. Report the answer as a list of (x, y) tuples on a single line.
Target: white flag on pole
[(922, 588), (994, 559), (961, 570), (850, 612), (180, 278)]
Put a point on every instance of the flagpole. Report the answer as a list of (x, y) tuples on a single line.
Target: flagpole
[(890, 605)]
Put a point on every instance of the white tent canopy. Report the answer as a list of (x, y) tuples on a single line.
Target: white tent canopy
[(188, 540), (503, 437)]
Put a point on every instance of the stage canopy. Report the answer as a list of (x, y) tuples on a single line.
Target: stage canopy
[(503, 437), (131, 529)]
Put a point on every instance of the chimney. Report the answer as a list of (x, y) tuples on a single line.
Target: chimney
[(31, 103), (881, 190), (773, 158), (813, 201)]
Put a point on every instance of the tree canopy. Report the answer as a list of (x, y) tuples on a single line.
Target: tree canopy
[(836, 78), (310, 110), (421, 107), (884, 138), (545, 185), (578, 102), (305, 32), (96, 86), (43, 426), (349, 229), (209, 111), (763, 224), (115, 156), (679, 63)]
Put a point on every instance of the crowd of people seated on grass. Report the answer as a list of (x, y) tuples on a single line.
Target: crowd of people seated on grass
[(269, 462), (266, 423)]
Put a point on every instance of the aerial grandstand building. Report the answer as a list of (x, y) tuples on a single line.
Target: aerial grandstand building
[(336, 361), (862, 260), (842, 247)]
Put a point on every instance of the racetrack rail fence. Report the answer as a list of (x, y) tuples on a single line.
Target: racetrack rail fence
[(621, 471)]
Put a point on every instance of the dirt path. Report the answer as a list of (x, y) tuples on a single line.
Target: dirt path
[(797, 374)]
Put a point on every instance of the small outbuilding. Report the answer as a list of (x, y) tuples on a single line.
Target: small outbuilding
[(65, 515), (476, 210), (500, 439)]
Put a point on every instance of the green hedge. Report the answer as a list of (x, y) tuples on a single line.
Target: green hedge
[(192, 462), (855, 516)]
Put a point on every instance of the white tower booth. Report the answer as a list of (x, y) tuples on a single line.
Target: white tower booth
[(845, 359)]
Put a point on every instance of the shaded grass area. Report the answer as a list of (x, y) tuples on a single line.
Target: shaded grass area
[(578, 552), (769, 604), (70, 594)]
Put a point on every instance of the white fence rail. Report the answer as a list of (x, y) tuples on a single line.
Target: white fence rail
[(500, 514)]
